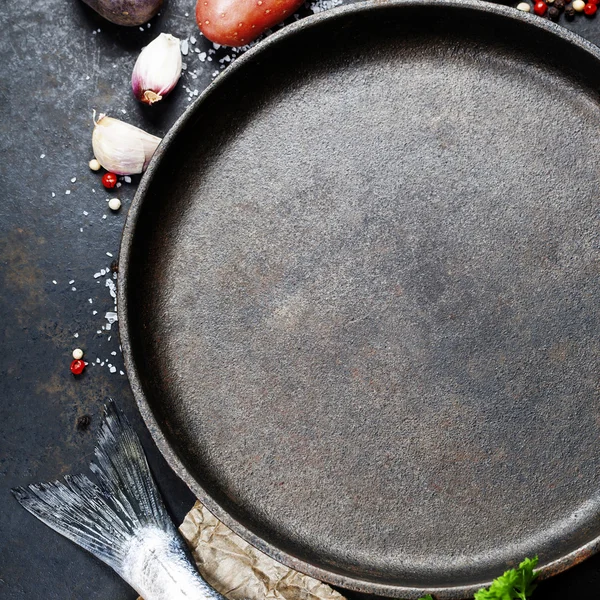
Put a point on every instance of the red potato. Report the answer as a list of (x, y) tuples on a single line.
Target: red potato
[(238, 22)]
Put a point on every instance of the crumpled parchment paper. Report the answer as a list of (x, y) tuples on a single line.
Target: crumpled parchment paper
[(240, 571)]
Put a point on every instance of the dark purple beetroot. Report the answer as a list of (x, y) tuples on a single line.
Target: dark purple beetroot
[(126, 12)]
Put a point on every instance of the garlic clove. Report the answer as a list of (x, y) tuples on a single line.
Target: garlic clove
[(157, 69), (122, 148)]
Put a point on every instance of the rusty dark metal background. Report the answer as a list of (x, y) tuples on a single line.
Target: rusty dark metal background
[(48, 50), (359, 295)]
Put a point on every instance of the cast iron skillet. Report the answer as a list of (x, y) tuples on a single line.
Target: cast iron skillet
[(359, 296)]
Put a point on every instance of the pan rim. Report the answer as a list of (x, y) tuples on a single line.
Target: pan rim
[(127, 242)]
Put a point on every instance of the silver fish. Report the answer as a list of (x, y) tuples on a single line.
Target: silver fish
[(122, 520)]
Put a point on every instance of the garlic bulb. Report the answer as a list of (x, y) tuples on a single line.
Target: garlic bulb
[(122, 148), (157, 69)]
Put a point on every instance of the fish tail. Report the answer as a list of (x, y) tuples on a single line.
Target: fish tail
[(106, 517)]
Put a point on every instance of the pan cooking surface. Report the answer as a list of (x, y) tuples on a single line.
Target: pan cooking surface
[(359, 295)]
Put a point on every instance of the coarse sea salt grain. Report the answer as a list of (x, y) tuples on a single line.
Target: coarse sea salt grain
[(85, 213), (184, 47), (111, 317), (113, 369), (112, 288), (73, 179), (121, 373), (321, 5), (98, 360), (73, 289), (108, 254), (75, 335), (54, 281), (71, 282), (113, 353), (53, 195), (90, 301), (202, 56), (127, 179), (94, 312), (42, 156), (67, 192)]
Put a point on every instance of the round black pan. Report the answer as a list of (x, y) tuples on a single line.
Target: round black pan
[(359, 296)]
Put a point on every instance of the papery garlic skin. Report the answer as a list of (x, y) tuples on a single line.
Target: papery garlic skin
[(157, 69), (122, 148)]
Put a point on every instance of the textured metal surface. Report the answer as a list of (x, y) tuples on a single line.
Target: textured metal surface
[(53, 71), (361, 302)]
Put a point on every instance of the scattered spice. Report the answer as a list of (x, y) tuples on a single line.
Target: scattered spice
[(78, 354), (109, 180), (83, 422), (551, 9), (77, 367), (114, 204), (94, 165), (553, 13), (114, 266)]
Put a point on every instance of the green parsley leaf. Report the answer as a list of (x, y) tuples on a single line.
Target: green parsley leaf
[(515, 584)]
